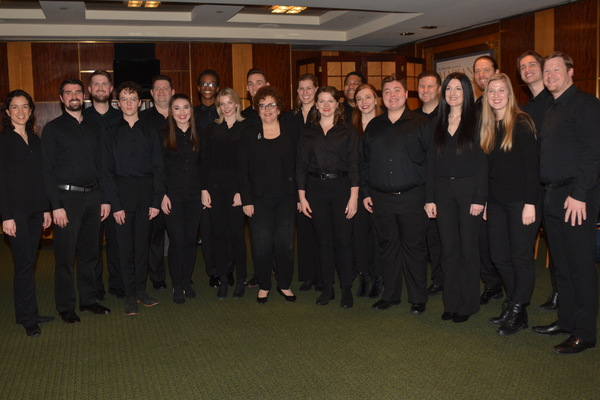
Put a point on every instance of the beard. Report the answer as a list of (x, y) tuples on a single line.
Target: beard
[(74, 106), (101, 98)]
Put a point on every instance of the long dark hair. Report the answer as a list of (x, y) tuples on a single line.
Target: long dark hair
[(467, 130), (315, 116), (6, 122), (170, 137)]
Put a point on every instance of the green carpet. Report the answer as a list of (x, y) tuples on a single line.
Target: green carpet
[(236, 349)]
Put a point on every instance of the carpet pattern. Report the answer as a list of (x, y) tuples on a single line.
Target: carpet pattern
[(236, 349)]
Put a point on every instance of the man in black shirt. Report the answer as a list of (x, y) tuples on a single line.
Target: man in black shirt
[(569, 169), (429, 89), (483, 69), (136, 164), (100, 87), (530, 69), (78, 188), (208, 87), (256, 79), (162, 91), (393, 187), (351, 82)]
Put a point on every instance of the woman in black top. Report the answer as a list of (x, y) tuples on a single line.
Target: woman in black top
[(327, 178), (23, 203), (220, 190), (268, 190), (456, 195), (508, 137), (309, 270), (181, 204)]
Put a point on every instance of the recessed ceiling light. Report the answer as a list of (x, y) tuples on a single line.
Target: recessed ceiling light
[(406, 33), (133, 3), (429, 27), (286, 9), (152, 4), (147, 4)]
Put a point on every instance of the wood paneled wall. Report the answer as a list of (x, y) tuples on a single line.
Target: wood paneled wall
[(4, 86)]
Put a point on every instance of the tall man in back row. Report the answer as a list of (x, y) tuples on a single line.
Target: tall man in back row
[(569, 169), (78, 187)]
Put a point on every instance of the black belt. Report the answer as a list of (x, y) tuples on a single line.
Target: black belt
[(328, 175), (554, 185), (82, 189)]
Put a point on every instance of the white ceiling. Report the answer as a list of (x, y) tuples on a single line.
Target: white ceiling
[(350, 25)]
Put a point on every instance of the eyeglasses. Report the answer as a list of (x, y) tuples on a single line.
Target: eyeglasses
[(270, 106), (208, 84)]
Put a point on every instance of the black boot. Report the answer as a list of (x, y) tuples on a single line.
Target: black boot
[(363, 285), (327, 295), (515, 320), (499, 320), (377, 288), (551, 304)]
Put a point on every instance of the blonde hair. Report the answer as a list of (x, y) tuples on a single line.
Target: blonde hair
[(235, 98), (512, 115)]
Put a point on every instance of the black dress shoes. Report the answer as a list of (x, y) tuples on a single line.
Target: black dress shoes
[(434, 289), (551, 304), (489, 294), (460, 318), (222, 291), (306, 285), (95, 308), (213, 281), (291, 298), (417, 308), (33, 330), (326, 296), (363, 285), (118, 293), (43, 319), (552, 329), (240, 290), (261, 300), (376, 288), (447, 316), (69, 317), (346, 301), (573, 345), (159, 285), (384, 304)]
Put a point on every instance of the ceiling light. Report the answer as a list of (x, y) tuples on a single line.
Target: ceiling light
[(429, 27), (147, 4), (286, 9), (406, 33), (152, 4), (133, 3)]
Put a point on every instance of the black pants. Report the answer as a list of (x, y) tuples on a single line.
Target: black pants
[(364, 243), (272, 233), (24, 250), (328, 200), (78, 239), (308, 250), (108, 227), (156, 255), (511, 248), (488, 271), (182, 227), (228, 229), (573, 249), (208, 244), (401, 226), (136, 197), (434, 251), (459, 233)]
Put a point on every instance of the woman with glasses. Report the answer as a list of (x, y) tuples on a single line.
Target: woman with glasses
[(268, 191), (23, 205), (221, 193), (327, 177)]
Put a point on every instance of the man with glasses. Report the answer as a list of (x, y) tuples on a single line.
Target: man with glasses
[(208, 87)]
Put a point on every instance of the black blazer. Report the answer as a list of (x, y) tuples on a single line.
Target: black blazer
[(253, 165)]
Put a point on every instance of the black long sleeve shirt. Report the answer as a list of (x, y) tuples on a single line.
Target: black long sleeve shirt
[(514, 175), (72, 155), (152, 117), (136, 152), (182, 169), (251, 116), (570, 142), (220, 155), (21, 177), (394, 154), (449, 164), (335, 152), (107, 121), (205, 115), (537, 107)]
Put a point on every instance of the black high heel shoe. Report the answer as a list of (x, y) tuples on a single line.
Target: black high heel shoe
[(291, 298), (262, 300)]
